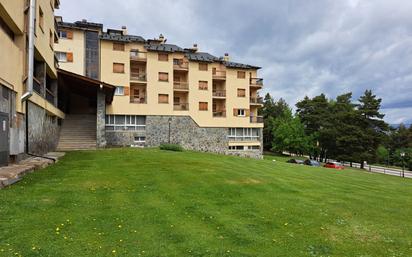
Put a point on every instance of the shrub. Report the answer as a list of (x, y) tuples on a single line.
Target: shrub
[(171, 147)]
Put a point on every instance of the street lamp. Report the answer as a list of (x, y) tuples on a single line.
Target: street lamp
[(403, 164)]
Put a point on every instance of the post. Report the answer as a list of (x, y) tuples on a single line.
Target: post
[(403, 164), (170, 121)]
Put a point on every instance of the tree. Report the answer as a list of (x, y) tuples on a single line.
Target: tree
[(382, 154), (372, 125), (289, 135)]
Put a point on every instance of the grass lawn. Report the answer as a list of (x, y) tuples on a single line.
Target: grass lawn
[(131, 202)]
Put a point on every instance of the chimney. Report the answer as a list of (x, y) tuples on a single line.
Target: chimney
[(195, 48), (162, 39), (226, 57), (124, 30), (84, 20)]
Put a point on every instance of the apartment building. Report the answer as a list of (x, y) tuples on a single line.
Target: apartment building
[(29, 115), (163, 93)]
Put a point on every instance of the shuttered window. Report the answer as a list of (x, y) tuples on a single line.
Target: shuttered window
[(163, 57), (69, 57), (241, 75), (203, 106), (118, 46), (203, 66), (163, 98), (241, 112), (163, 76), (118, 67), (241, 92), (203, 85)]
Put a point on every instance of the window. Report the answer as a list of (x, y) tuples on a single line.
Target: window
[(244, 148), (163, 76), (41, 19), (244, 134), (203, 85), (118, 67), (61, 56), (125, 123), (4, 27), (241, 75), (241, 112), (119, 91), (163, 98), (64, 34), (202, 106), (241, 92), (139, 139), (163, 57), (118, 46), (203, 66)]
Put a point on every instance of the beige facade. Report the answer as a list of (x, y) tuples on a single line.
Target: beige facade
[(139, 76)]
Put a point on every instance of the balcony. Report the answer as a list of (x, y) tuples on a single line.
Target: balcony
[(219, 75), (180, 65), (138, 76), (256, 101), (256, 119), (134, 99), (138, 56), (180, 86), (50, 97), (181, 106), (219, 93), (256, 82), (219, 114)]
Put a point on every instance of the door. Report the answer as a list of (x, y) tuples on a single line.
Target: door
[(4, 139)]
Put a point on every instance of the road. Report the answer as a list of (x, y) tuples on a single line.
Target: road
[(383, 170)]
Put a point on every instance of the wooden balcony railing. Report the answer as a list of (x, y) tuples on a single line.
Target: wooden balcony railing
[(219, 74), (256, 119), (256, 100), (50, 97), (219, 93), (180, 85), (181, 106), (256, 82), (138, 76), (219, 114), (180, 64)]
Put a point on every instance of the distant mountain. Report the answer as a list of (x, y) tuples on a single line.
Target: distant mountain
[(397, 125)]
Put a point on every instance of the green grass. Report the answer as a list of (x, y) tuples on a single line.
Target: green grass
[(147, 202)]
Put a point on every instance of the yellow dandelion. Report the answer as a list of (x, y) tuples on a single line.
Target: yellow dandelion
[(120, 226), (33, 248), (57, 229), (286, 224), (114, 251)]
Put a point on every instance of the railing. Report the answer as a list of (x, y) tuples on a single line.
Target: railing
[(181, 106), (37, 86), (256, 82), (137, 99), (180, 85), (256, 100), (139, 76), (50, 96), (219, 74), (256, 119), (180, 64), (138, 56), (219, 114), (219, 93)]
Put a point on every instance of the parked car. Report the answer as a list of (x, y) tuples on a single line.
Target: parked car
[(334, 165), (295, 161), (311, 163)]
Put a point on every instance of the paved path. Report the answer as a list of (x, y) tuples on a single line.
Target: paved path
[(14, 172)]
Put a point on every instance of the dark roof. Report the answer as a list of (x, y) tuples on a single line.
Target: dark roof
[(201, 57), (164, 48), (238, 65), (121, 38), (81, 25)]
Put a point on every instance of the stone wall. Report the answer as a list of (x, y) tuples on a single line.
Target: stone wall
[(101, 119), (43, 130), (183, 131)]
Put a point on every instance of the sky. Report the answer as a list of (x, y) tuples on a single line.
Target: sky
[(304, 47)]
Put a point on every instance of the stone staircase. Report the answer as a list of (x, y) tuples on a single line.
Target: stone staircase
[(78, 132)]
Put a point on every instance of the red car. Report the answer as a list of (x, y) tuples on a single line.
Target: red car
[(334, 165)]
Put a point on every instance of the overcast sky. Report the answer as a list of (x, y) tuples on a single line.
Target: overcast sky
[(305, 47)]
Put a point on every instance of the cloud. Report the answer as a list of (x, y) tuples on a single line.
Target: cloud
[(305, 47)]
